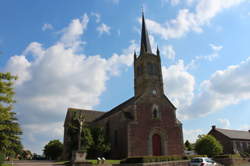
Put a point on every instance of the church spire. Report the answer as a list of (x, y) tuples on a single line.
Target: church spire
[(145, 44)]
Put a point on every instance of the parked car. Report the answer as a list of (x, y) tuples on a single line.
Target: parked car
[(202, 161)]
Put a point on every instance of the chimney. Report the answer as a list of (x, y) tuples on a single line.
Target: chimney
[(213, 127)]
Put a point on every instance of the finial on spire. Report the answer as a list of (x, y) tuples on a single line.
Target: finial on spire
[(157, 51)]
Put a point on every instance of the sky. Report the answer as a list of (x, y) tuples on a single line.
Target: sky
[(80, 54)]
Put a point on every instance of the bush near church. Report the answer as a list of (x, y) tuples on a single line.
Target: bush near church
[(151, 159), (208, 145)]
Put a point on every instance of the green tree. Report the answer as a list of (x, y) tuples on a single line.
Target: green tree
[(208, 145), (188, 146), (101, 146), (10, 130), (53, 150)]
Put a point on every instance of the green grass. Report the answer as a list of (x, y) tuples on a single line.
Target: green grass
[(5, 164), (106, 161)]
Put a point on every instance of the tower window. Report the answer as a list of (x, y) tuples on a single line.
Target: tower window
[(152, 69), (155, 112)]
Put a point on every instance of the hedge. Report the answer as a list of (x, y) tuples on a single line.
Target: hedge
[(150, 159)]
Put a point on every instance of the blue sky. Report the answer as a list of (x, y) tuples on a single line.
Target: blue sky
[(79, 54)]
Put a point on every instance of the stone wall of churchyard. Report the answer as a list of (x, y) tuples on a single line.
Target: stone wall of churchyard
[(234, 161)]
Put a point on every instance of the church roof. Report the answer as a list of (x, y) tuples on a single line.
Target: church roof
[(145, 44), (234, 134), (117, 108), (90, 115)]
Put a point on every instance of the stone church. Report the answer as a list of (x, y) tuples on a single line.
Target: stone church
[(145, 124)]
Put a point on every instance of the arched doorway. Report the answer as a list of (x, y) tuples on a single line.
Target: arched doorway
[(156, 142)]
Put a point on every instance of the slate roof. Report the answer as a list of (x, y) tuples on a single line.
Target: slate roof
[(235, 134), (90, 115), (117, 108)]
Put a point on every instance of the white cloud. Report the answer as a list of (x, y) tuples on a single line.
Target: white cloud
[(192, 135), (178, 85), (58, 77), (225, 87), (224, 123), (103, 28), (47, 27), (215, 47), (97, 16), (168, 51), (71, 34), (187, 21)]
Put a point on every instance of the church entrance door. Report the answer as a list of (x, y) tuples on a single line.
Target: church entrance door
[(156, 142)]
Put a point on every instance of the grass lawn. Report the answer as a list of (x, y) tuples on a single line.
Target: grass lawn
[(5, 164), (106, 161)]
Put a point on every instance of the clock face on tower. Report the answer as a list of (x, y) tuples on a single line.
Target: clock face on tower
[(154, 92)]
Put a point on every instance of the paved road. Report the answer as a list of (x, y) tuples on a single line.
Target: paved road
[(33, 163)]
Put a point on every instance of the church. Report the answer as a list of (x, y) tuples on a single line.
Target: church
[(145, 124)]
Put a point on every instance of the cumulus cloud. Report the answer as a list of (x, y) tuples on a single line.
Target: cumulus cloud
[(71, 35), (178, 85), (103, 28), (47, 27), (168, 51), (215, 47), (186, 20), (225, 87), (57, 77)]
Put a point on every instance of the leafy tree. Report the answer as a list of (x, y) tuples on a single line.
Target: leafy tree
[(188, 146), (53, 150), (101, 146), (10, 130), (208, 145)]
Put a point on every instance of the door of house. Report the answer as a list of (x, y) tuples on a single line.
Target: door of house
[(156, 142)]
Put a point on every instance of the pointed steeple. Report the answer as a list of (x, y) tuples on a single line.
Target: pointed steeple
[(145, 44)]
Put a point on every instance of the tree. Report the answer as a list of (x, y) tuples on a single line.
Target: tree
[(101, 146), (188, 146), (10, 130), (208, 145), (53, 150)]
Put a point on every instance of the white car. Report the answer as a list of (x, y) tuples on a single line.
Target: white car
[(202, 161)]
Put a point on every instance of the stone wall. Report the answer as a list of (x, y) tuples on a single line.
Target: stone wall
[(169, 163), (234, 162)]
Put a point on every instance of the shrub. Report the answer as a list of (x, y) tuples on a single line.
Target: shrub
[(150, 159), (208, 145)]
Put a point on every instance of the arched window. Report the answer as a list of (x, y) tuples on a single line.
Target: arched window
[(155, 112)]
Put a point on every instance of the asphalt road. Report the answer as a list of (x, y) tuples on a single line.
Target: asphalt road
[(33, 162)]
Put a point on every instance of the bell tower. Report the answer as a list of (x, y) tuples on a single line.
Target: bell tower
[(147, 68)]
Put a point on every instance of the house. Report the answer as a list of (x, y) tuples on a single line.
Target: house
[(233, 141)]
